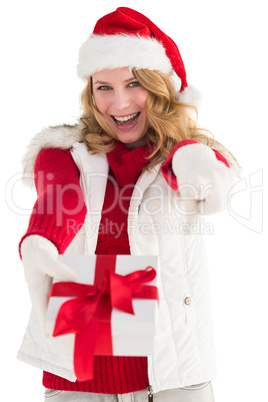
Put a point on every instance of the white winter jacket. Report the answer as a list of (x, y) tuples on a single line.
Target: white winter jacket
[(184, 349)]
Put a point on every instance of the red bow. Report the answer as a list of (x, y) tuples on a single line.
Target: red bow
[(88, 315)]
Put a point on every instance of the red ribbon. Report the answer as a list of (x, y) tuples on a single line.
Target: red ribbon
[(88, 314)]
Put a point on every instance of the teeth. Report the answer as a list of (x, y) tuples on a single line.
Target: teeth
[(125, 118)]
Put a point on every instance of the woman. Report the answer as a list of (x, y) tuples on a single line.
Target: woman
[(131, 178)]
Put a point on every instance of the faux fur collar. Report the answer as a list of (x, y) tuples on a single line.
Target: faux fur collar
[(64, 137), (51, 137)]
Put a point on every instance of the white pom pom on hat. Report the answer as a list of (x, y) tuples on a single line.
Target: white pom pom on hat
[(127, 38), (190, 95)]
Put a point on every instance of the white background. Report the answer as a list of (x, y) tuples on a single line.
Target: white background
[(224, 48)]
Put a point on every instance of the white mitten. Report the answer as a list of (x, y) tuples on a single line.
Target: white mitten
[(41, 264), (203, 181)]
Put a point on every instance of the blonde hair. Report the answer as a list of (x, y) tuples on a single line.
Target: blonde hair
[(169, 120)]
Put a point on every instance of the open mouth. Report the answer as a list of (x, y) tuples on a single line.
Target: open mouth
[(126, 120)]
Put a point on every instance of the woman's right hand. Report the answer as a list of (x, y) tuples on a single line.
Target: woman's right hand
[(41, 265)]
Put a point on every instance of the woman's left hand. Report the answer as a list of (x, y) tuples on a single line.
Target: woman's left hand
[(203, 180)]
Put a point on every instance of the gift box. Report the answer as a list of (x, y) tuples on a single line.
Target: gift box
[(111, 309)]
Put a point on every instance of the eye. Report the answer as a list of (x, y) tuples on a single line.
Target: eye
[(134, 84), (104, 88)]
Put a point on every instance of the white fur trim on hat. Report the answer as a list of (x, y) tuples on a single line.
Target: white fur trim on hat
[(102, 52)]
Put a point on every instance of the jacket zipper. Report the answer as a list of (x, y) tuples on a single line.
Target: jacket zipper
[(133, 246), (150, 393)]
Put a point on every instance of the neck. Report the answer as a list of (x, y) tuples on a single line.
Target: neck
[(136, 144)]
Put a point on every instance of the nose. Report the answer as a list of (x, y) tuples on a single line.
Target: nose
[(121, 99)]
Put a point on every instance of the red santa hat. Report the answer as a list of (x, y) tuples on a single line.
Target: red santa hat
[(126, 38)]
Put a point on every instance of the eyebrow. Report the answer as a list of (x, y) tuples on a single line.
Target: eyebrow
[(107, 83)]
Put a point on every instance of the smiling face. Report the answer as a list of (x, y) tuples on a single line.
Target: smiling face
[(121, 101)]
